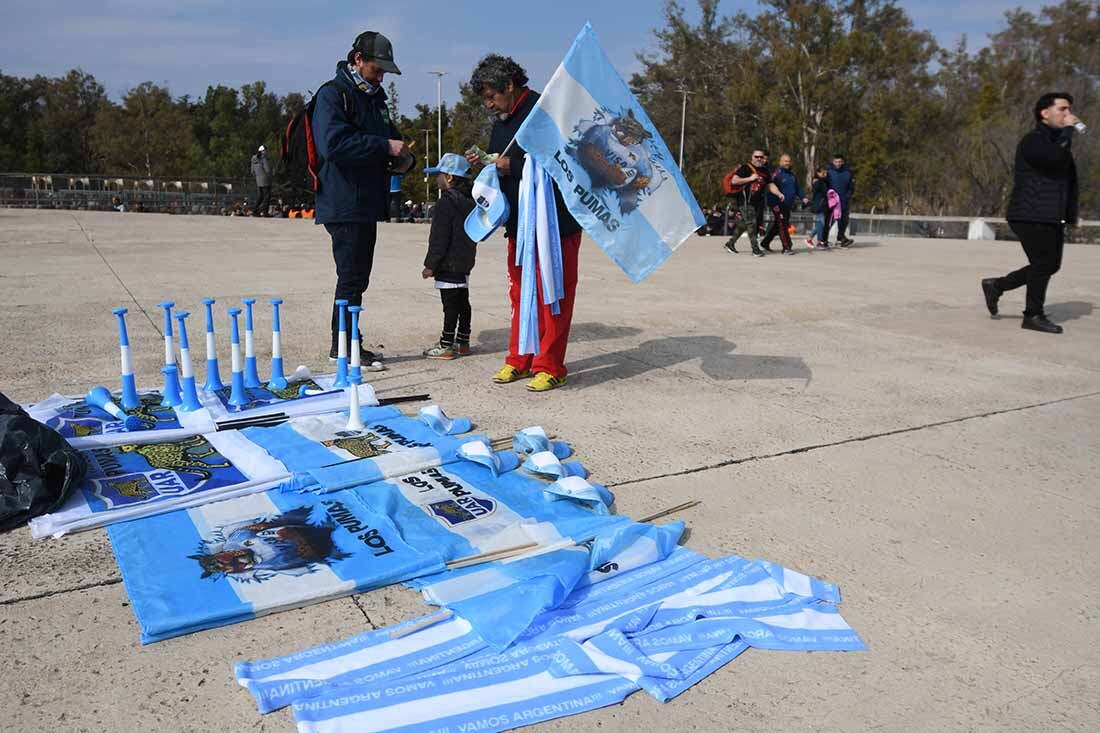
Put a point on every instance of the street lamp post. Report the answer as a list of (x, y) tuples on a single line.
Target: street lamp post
[(439, 114), (427, 159), (683, 121)]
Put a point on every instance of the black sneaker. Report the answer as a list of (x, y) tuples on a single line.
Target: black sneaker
[(757, 252), (365, 357), (846, 242), (992, 295), (730, 248), (766, 247), (1040, 323)]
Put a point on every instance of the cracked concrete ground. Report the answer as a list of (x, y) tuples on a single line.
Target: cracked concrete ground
[(854, 414)]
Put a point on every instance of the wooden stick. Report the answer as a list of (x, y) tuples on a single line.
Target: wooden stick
[(407, 398), (491, 556), (423, 623), (508, 441), (670, 510)]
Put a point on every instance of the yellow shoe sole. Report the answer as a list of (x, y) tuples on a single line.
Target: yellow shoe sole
[(514, 376), (545, 385)]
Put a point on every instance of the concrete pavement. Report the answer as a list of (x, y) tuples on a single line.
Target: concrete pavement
[(853, 414)]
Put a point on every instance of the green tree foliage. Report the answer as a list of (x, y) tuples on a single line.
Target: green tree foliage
[(927, 130), (46, 124), (149, 134)]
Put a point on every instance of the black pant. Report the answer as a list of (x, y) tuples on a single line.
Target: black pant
[(263, 201), (456, 316), (1043, 244), (353, 252), (781, 217)]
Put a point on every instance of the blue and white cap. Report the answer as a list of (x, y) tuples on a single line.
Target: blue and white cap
[(491, 208), (452, 163)]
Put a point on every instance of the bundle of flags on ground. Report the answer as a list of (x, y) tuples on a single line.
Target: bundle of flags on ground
[(551, 604), (661, 628)]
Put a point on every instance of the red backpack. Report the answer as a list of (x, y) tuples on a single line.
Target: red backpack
[(299, 150), (728, 187)]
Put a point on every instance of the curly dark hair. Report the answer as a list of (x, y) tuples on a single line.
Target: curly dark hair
[(494, 72)]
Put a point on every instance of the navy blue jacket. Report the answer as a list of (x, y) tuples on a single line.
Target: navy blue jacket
[(843, 182), (352, 130), (787, 183)]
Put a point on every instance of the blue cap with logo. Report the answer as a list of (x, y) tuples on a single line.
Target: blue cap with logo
[(452, 163), (491, 207)]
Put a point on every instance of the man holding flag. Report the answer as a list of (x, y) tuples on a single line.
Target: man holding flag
[(502, 85)]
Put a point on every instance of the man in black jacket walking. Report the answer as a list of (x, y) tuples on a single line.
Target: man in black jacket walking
[(360, 148), (1043, 203)]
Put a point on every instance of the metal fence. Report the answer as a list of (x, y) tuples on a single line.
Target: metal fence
[(223, 195), (101, 193), (926, 227)]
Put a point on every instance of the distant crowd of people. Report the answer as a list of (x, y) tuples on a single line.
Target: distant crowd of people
[(753, 187)]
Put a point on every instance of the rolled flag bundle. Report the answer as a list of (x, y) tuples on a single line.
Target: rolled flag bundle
[(534, 440), (578, 488), (213, 378), (342, 347), (545, 463), (278, 380), (237, 395), (434, 417), (172, 395), (251, 376), (480, 453), (129, 397), (190, 395), (101, 397)]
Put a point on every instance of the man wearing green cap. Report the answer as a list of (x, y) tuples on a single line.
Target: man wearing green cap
[(359, 148)]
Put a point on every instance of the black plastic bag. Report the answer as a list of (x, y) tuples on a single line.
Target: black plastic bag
[(39, 468)]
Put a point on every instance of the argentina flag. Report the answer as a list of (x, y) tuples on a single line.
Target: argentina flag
[(614, 171)]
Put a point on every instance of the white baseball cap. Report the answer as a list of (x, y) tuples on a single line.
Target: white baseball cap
[(491, 208), (262, 149)]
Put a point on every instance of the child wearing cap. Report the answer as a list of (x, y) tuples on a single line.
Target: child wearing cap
[(451, 255)]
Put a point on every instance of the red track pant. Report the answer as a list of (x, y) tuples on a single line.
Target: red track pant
[(553, 330)]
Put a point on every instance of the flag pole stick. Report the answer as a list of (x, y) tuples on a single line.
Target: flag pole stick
[(423, 623), (670, 510), (501, 554)]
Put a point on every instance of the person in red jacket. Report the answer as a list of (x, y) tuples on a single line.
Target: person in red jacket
[(502, 85)]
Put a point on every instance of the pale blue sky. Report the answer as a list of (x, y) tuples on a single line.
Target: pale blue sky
[(189, 44)]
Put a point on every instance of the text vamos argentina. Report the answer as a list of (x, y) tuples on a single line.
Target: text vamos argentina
[(372, 538)]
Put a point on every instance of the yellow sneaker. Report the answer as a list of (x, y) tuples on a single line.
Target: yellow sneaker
[(509, 374), (544, 382)]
